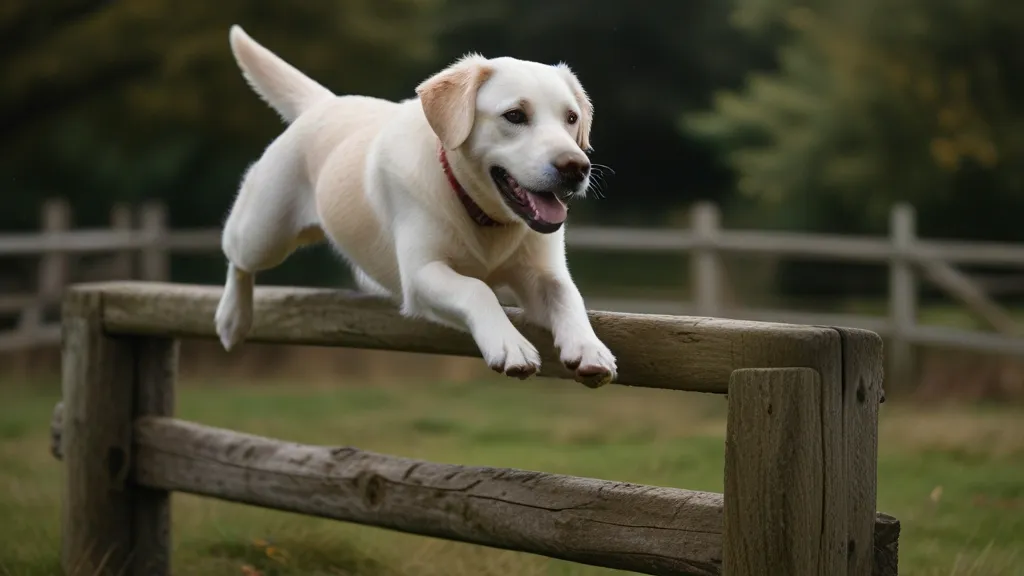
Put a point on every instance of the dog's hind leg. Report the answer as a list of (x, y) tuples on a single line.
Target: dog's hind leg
[(273, 215), (369, 285), (234, 312)]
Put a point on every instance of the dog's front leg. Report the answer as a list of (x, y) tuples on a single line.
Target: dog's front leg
[(438, 293), (551, 300)]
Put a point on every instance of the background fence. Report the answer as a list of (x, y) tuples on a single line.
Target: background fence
[(139, 243)]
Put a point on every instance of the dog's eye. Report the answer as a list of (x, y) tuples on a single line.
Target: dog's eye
[(516, 116), (571, 117)]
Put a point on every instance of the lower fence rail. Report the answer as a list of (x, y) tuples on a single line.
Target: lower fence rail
[(635, 527)]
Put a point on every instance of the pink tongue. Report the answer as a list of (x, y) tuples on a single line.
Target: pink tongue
[(549, 208)]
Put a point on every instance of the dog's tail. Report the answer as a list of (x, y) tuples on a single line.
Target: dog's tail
[(280, 84)]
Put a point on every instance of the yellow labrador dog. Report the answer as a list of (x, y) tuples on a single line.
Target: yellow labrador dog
[(434, 201)]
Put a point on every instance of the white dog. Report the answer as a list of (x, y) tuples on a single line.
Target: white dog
[(435, 201)]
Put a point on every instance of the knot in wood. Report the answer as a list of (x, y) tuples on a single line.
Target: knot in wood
[(373, 489), (117, 463), (862, 391)]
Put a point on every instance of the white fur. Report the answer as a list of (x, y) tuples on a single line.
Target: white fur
[(364, 174)]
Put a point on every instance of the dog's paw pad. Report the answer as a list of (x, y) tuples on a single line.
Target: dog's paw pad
[(594, 376), (591, 362), (515, 357), (521, 372)]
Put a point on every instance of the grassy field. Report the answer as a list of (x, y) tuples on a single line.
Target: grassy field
[(954, 476)]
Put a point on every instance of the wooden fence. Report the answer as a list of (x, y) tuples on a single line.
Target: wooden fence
[(800, 465), (908, 258)]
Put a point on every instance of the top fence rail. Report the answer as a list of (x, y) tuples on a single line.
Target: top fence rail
[(671, 352)]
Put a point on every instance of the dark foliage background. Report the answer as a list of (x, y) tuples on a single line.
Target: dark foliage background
[(810, 114)]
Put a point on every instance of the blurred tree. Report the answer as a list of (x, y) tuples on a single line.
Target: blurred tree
[(122, 101), (874, 102), (137, 90), (642, 63), (169, 61)]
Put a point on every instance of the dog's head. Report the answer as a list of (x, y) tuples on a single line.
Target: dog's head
[(522, 129)]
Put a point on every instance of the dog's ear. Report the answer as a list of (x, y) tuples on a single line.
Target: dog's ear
[(449, 98), (583, 101)]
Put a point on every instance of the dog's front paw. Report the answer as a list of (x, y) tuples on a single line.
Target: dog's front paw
[(513, 356), (591, 360)]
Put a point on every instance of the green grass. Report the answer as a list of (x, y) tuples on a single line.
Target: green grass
[(954, 476)]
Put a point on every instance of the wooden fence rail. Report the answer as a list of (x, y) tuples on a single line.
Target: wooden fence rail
[(910, 259), (801, 443)]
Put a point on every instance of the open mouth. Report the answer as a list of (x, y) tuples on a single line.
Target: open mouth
[(542, 210)]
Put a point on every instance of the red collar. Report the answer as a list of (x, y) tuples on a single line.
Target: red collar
[(475, 211)]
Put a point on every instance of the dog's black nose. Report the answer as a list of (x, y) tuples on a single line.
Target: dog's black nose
[(572, 168)]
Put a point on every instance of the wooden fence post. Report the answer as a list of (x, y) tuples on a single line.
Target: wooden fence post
[(156, 266), (110, 525), (121, 221), (157, 372), (53, 268), (779, 504), (98, 377), (902, 297), (706, 267), (863, 374)]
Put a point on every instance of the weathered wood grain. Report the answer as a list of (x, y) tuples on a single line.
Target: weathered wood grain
[(681, 353), (862, 393), (157, 369), (776, 502), (813, 480), (98, 377), (886, 546), (620, 525), (835, 498), (646, 529)]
